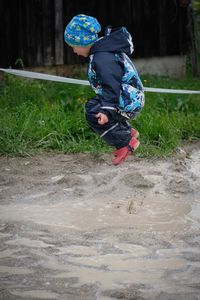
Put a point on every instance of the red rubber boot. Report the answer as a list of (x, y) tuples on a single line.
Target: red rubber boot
[(122, 153), (134, 133)]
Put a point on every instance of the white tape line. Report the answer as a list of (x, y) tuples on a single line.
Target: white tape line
[(170, 91), (42, 76)]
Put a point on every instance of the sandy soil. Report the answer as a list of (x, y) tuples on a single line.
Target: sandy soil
[(75, 227)]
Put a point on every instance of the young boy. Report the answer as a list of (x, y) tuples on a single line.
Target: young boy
[(113, 77)]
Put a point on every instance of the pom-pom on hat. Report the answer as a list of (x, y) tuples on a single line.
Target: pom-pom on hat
[(82, 31)]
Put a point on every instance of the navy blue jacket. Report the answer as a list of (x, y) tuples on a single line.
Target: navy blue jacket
[(112, 74)]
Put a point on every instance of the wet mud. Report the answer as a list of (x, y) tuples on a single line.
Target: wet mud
[(74, 227)]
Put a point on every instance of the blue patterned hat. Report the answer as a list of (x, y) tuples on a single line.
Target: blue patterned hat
[(82, 31)]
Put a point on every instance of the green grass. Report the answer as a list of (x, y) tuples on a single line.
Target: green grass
[(40, 116)]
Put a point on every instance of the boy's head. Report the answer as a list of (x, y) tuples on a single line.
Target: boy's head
[(81, 33)]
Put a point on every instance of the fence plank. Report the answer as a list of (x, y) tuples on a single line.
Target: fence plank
[(58, 11)]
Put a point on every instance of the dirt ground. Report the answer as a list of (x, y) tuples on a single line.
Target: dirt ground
[(74, 227)]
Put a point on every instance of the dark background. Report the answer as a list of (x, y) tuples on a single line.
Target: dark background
[(32, 30)]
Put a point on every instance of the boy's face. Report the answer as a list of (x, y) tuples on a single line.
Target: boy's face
[(82, 51)]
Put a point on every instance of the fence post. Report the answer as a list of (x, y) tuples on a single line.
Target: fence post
[(193, 41), (59, 53)]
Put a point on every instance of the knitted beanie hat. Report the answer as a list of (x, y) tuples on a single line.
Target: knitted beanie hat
[(82, 31)]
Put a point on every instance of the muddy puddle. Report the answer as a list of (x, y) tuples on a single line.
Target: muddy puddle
[(75, 227)]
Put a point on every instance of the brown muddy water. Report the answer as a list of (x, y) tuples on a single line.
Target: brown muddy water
[(74, 227)]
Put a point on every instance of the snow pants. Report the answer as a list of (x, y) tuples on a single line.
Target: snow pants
[(117, 132)]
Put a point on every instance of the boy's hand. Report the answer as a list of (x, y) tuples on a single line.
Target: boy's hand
[(102, 118)]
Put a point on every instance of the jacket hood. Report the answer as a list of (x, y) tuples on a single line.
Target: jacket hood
[(115, 40)]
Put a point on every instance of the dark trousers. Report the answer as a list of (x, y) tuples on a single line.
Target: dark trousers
[(117, 132)]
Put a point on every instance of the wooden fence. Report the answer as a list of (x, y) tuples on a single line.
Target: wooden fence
[(32, 30)]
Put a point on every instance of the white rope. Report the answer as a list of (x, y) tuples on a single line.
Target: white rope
[(42, 76)]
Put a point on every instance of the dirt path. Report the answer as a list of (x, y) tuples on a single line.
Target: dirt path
[(75, 227)]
